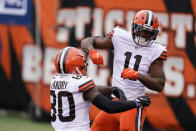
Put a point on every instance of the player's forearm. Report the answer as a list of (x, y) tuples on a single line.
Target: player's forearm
[(156, 84), (109, 106), (98, 42), (106, 91), (87, 44)]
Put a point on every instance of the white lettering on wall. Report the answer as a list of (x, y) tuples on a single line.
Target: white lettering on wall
[(191, 90), (32, 57), (65, 19), (101, 75), (181, 23), (112, 18), (164, 24), (82, 17), (49, 65), (103, 23), (129, 19), (97, 22), (174, 66)]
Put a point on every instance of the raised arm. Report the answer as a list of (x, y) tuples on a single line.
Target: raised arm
[(89, 44), (99, 42)]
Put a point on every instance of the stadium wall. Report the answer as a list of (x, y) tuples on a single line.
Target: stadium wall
[(28, 53)]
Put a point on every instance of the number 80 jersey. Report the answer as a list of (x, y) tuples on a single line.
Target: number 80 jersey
[(68, 109), (127, 54)]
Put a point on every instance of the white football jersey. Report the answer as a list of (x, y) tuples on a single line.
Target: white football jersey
[(68, 109), (128, 54)]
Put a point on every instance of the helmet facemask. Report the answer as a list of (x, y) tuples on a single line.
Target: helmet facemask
[(81, 70), (143, 36)]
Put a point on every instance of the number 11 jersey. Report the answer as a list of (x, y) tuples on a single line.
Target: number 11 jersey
[(127, 54)]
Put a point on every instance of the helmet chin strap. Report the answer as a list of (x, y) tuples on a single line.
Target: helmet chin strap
[(78, 71)]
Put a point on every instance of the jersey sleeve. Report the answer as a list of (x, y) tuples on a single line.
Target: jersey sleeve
[(163, 55), (86, 84), (159, 51), (110, 34)]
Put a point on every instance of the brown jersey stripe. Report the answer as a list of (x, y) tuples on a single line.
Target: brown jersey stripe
[(162, 57), (164, 54), (83, 87), (109, 36), (87, 88), (85, 84), (112, 32)]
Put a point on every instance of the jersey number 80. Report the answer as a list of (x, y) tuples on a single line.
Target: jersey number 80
[(58, 98)]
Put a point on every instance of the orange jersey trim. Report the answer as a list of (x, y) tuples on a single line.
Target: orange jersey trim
[(86, 86), (163, 55), (110, 34)]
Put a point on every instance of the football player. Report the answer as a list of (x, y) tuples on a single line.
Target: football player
[(71, 93), (138, 63)]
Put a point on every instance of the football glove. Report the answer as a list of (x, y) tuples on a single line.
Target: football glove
[(129, 73), (96, 57), (142, 101), (119, 94)]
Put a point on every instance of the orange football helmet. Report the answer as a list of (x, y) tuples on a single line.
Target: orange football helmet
[(145, 27), (70, 60)]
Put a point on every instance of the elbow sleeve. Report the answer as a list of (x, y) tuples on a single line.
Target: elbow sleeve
[(109, 106)]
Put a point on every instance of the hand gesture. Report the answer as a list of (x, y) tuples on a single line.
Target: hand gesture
[(96, 57), (129, 73)]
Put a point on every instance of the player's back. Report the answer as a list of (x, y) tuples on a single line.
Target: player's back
[(68, 108)]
